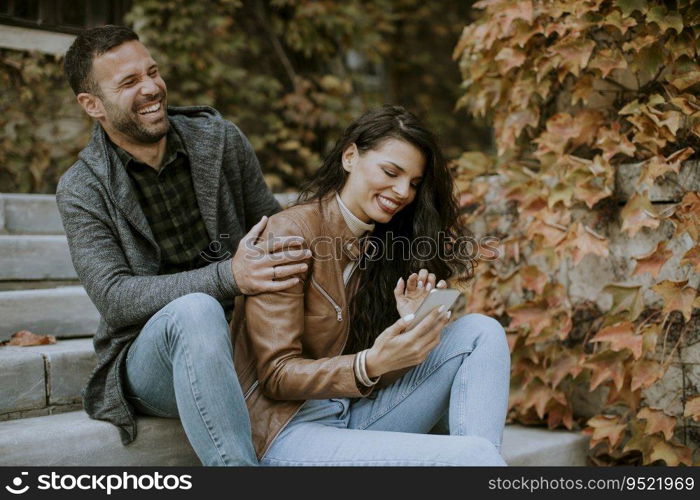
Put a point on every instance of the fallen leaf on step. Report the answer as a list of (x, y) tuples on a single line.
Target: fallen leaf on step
[(26, 338)]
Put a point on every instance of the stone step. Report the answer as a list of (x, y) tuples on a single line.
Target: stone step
[(41, 379), (29, 214), (64, 312), (35, 257), (76, 440), (38, 213)]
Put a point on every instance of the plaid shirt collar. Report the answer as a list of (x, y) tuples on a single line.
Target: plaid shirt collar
[(173, 147)]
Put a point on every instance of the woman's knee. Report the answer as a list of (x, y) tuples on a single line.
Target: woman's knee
[(478, 329)]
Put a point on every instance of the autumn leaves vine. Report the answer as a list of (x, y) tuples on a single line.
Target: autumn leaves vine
[(597, 128)]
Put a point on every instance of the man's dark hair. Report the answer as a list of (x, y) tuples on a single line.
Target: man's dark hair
[(90, 44)]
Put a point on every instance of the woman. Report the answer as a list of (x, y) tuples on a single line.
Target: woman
[(331, 373)]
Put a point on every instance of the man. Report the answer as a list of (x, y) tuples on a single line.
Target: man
[(155, 211)]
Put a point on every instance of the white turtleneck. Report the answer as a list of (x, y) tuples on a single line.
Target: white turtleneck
[(357, 228)]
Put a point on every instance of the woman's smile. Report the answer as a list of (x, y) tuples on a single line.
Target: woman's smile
[(381, 181)]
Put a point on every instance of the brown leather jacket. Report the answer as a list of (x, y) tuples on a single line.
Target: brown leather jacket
[(288, 346)]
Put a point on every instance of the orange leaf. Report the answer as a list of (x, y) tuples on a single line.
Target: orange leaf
[(621, 336), (534, 316), (581, 241), (564, 365), (607, 60), (625, 298), (638, 213), (687, 215), (645, 373), (676, 296), (533, 279), (25, 338), (606, 366), (671, 453), (692, 257), (606, 427), (692, 408), (657, 421), (653, 261)]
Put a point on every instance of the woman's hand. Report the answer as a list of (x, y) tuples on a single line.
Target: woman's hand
[(410, 294), (396, 347)]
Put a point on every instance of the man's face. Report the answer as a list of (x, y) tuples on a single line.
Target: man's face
[(132, 91)]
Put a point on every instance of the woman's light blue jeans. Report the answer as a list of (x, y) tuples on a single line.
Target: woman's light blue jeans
[(466, 377), (181, 366)]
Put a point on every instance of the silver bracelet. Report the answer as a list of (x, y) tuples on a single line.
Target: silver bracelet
[(364, 378)]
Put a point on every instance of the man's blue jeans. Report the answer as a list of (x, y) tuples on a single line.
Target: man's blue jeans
[(181, 366), (466, 377)]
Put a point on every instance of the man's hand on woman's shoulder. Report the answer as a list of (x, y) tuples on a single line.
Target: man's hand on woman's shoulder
[(270, 268)]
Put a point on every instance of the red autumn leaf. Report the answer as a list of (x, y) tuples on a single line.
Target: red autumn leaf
[(692, 257), (638, 213), (676, 296), (657, 421), (25, 338), (606, 427), (692, 408), (621, 336), (653, 261), (645, 373)]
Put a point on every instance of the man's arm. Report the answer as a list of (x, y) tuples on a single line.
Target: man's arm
[(122, 298)]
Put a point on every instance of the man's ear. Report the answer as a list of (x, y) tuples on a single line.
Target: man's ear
[(91, 104), (350, 156)]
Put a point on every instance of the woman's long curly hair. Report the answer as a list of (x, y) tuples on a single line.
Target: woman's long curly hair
[(433, 216)]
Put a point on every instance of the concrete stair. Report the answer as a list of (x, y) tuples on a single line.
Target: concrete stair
[(41, 417), (77, 440)]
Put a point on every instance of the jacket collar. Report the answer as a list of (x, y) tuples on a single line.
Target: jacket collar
[(350, 246), (204, 140)]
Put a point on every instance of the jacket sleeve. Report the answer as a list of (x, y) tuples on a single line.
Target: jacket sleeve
[(122, 298), (275, 324)]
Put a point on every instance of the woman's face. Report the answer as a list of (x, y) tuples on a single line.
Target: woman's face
[(381, 181)]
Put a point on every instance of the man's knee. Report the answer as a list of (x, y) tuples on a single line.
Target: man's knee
[(198, 315)]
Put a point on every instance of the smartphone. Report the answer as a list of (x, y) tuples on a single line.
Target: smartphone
[(436, 298)]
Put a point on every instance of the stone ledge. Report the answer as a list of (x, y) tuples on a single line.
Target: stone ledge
[(77, 440), (43, 377), (35, 257), (38, 213), (64, 312)]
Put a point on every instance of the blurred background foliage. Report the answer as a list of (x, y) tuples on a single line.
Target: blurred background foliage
[(291, 73)]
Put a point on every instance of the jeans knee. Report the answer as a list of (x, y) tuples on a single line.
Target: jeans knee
[(199, 314), (478, 329)]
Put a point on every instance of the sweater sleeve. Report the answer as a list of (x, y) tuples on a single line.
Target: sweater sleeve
[(122, 298)]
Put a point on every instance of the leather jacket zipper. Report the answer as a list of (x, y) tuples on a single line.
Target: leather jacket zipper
[(250, 391), (338, 310), (302, 404)]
